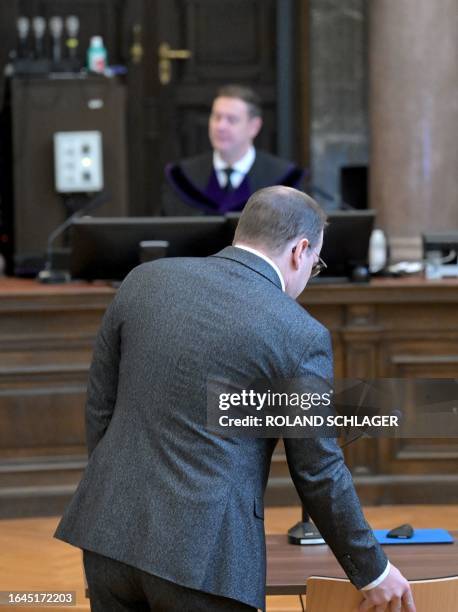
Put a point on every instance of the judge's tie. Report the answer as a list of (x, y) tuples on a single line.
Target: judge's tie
[(228, 188)]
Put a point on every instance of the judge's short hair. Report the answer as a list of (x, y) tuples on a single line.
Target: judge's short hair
[(248, 95), (275, 216)]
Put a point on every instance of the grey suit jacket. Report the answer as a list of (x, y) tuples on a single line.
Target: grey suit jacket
[(160, 491)]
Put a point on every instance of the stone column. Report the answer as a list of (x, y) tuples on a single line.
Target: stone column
[(338, 91), (413, 68)]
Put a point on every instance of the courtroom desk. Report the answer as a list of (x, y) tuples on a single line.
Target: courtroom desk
[(46, 340), (289, 566), (389, 328)]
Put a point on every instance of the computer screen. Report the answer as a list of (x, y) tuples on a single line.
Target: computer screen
[(346, 241), (109, 247), (354, 186)]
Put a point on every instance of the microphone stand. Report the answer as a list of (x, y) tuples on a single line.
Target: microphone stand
[(49, 274), (56, 26), (305, 532), (23, 28)]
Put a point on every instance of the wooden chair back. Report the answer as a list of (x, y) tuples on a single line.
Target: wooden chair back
[(331, 594)]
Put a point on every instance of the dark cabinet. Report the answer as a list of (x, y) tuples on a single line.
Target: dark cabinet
[(40, 107)]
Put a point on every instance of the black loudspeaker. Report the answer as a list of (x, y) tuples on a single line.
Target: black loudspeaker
[(42, 106), (354, 186)]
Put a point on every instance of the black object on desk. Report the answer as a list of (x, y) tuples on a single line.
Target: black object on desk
[(403, 532)]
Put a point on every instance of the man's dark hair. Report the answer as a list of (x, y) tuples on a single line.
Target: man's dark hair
[(274, 216), (244, 93)]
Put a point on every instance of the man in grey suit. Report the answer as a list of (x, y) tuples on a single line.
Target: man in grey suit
[(169, 514)]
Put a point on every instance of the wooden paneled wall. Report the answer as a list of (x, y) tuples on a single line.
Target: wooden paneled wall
[(46, 338), (390, 328)]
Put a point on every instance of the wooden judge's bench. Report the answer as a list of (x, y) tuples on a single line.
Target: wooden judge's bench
[(399, 328)]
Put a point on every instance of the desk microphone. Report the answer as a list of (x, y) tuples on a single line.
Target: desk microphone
[(39, 29), (49, 275), (72, 25), (23, 29), (56, 26), (305, 532)]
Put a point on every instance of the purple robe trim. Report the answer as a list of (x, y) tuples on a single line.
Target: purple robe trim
[(227, 202), (214, 199)]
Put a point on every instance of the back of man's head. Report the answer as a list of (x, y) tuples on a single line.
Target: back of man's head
[(275, 216)]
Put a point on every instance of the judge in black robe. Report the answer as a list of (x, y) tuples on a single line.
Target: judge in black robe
[(198, 186)]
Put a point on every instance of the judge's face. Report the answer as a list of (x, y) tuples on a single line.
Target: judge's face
[(231, 128)]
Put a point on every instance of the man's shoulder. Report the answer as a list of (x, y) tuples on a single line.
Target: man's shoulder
[(275, 314), (272, 161), (190, 165), (268, 169), (166, 265), (190, 174)]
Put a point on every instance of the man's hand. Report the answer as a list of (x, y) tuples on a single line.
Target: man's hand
[(392, 595)]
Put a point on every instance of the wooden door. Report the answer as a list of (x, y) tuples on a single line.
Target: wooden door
[(229, 41)]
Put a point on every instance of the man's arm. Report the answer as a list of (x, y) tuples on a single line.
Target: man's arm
[(326, 489), (103, 379)]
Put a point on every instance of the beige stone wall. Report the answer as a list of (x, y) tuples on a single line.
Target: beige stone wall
[(413, 66)]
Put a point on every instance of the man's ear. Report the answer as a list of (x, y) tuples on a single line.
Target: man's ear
[(255, 126), (299, 251)]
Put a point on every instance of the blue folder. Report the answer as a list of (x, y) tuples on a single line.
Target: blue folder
[(420, 536)]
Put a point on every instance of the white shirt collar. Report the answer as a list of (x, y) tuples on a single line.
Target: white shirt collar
[(240, 168), (266, 259)]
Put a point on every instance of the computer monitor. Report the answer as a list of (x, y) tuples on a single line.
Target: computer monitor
[(354, 186), (107, 248), (346, 242)]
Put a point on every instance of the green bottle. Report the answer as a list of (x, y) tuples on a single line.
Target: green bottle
[(96, 55)]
